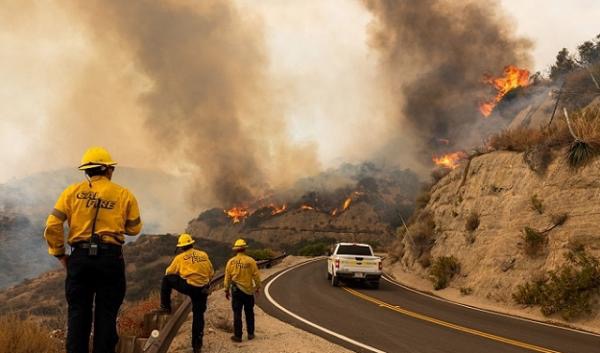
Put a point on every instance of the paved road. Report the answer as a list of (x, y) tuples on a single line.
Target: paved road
[(396, 320)]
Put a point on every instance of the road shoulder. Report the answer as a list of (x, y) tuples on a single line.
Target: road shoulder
[(419, 284), (272, 335)]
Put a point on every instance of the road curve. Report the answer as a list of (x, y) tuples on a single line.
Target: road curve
[(394, 319)]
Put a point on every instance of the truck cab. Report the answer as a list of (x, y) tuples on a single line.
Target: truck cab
[(355, 262)]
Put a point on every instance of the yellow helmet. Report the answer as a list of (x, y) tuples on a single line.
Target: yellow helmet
[(96, 157), (239, 244), (185, 240)]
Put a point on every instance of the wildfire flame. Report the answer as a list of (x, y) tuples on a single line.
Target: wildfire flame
[(334, 212), (512, 78), (306, 207), (237, 214), (347, 203), (278, 209), (449, 160)]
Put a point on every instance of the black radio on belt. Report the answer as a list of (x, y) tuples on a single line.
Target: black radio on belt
[(95, 238)]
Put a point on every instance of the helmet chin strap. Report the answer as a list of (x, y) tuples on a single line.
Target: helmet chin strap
[(103, 168)]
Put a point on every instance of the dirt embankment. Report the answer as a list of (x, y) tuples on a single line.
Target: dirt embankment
[(272, 335), (478, 214)]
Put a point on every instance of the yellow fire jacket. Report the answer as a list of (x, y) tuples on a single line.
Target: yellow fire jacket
[(192, 265), (118, 214), (242, 271)]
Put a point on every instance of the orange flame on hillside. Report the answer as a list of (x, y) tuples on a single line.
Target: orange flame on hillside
[(347, 203), (449, 160), (237, 214), (512, 78), (277, 210), (306, 207)]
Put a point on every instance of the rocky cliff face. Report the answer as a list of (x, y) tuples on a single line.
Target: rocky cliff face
[(479, 211)]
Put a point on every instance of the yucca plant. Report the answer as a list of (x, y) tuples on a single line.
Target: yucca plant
[(581, 151)]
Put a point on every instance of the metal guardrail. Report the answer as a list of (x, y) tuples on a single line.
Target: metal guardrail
[(168, 332)]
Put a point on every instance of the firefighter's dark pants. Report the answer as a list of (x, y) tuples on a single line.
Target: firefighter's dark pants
[(94, 282), (239, 301), (198, 296)]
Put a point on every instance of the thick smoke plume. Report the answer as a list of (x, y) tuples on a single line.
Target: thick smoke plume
[(208, 101), (433, 56)]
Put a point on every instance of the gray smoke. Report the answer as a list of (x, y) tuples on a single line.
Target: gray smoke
[(208, 100), (433, 56)]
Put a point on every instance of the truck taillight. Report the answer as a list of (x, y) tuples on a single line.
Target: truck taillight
[(337, 263), (380, 265)]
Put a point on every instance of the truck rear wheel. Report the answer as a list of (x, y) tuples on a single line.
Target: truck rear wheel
[(334, 281), (374, 284)]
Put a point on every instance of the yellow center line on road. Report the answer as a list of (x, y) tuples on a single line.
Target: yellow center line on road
[(471, 331)]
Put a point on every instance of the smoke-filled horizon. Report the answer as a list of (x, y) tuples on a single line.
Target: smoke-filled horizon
[(193, 87), (433, 54)]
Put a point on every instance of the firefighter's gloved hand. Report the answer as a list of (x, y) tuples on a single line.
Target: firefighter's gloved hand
[(227, 295)]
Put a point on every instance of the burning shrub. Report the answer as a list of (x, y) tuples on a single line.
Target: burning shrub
[(443, 269), (534, 241), (569, 290), (22, 336), (536, 204)]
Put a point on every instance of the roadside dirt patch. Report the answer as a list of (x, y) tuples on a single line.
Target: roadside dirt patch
[(272, 335)]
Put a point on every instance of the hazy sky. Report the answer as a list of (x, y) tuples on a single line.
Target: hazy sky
[(554, 24), (318, 57)]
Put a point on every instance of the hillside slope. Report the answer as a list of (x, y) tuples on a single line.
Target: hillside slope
[(501, 192), (353, 203)]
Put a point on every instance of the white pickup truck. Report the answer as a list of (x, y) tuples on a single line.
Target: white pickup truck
[(353, 261)]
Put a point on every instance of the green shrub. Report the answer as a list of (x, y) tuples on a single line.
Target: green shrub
[(570, 291), (536, 204), (466, 290), (558, 219), (443, 269), (581, 153), (472, 222), (421, 236), (534, 241), (313, 247), (261, 254)]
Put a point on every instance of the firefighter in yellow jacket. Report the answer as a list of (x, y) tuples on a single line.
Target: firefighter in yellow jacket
[(242, 282), (99, 214), (189, 273)]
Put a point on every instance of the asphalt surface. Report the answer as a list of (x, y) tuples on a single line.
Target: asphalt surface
[(396, 320)]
